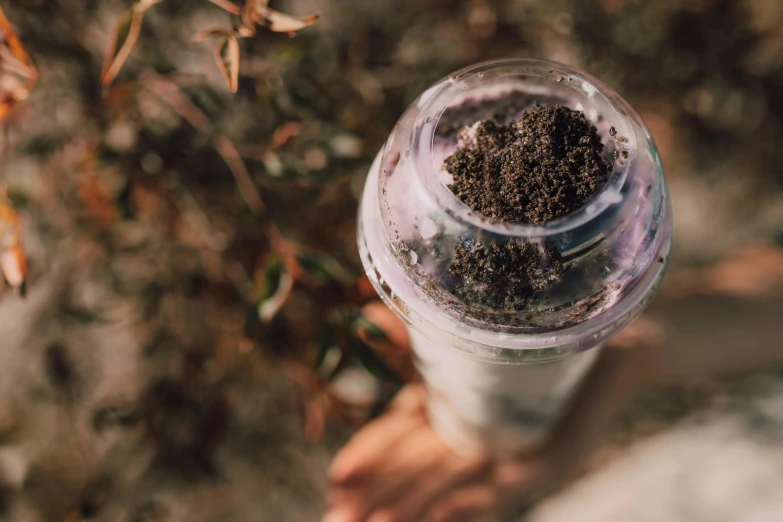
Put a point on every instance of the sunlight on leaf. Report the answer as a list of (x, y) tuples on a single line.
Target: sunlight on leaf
[(13, 263), (283, 23), (226, 54), (258, 12), (273, 287), (18, 74)]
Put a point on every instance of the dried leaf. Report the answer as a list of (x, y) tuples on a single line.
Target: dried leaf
[(275, 20), (228, 6), (283, 23), (227, 59), (220, 32), (9, 218), (96, 200), (143, 5), (284, 133), (14, 267), (226, 53), (249, 18), (273, 287), (124, 37), (12, 40), (18, 74)]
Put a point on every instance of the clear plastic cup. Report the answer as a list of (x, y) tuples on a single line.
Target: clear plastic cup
[(499, 375)]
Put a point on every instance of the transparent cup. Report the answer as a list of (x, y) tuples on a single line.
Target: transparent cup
[(500, 373)]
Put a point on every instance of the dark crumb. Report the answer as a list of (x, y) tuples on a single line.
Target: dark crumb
[(505, 275), (612, 132), (544, 166)]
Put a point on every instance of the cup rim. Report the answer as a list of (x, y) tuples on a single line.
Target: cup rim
[(443, 94)]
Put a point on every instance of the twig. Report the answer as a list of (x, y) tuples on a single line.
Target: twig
[(228, 6), (234, 161), (114, 62), (170, 93), (12, 40)]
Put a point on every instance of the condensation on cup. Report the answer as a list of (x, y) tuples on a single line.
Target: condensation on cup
[(499, 379)]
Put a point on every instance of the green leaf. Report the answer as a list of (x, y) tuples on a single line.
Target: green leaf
[(373, 332), (320, 268), (372, 362), (273, 286)]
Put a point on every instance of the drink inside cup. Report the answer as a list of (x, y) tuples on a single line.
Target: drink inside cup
[(516, 217)]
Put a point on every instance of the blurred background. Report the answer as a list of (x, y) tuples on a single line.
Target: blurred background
[(192, 336)]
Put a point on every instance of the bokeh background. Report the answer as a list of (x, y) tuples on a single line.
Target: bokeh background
[(197, 339)]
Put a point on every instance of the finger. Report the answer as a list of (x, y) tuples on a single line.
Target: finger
[(412, 399), (371, 444), (465, 504), (401, 471), (449, 472), (386, 320)]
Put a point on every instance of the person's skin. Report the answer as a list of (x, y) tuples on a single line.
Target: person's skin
[(396, 469)]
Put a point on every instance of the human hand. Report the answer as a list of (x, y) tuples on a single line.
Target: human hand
[(396, 469)]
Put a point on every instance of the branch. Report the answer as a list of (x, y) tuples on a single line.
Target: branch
[(170, 93)]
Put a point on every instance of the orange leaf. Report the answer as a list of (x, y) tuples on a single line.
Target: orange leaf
[(14, 267), (12, 40), (8, 216), (97, 201), (123, 39), (18, 74)]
